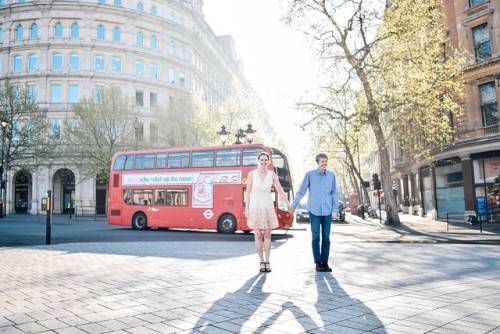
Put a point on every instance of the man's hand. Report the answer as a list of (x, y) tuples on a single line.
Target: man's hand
[(334, 215)]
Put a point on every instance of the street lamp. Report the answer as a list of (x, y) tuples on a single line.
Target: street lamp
[(223, 134), (249, 131), (136, 128), (4, 124), (240, 135)]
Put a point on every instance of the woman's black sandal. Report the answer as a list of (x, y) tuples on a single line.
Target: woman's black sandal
[(263, 269), (268, 267)]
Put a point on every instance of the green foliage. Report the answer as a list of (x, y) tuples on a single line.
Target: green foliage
[(99, 127), (24, 136)]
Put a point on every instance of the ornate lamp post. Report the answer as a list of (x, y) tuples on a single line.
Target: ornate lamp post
[(223, 134), (4, 124), (240, 135), (249, 131)]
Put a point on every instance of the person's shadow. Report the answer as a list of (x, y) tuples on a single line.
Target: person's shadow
[(338, 311), (243, 303)]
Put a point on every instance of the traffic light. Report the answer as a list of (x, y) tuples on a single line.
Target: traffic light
[(376, 182)]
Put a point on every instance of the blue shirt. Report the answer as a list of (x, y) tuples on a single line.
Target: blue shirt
[(323, 193)]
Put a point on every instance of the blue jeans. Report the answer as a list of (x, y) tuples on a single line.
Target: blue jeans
[(320, 224)]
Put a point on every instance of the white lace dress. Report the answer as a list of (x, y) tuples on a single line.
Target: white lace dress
[(261, 213)]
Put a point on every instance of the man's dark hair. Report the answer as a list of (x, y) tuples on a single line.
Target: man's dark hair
[(321, 156)]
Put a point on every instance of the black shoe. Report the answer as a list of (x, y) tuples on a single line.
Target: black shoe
[(319, 266), (326, 267)]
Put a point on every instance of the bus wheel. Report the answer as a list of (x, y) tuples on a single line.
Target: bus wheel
[(139, 222), (227, 224)]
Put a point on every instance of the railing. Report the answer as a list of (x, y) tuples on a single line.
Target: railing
[(463, 221), (88, 212)]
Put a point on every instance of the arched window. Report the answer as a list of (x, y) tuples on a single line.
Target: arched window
[(32, 62), (74, 61), (153, 42), (58, 30), (17, 64), (34, 31), (117, 34), (140, 6), (116, 64), (153, 71), (57, 61), (153, 10), (100, 32), (140, 39), (75, 30), (19, 32), (139, 68), (99, 63), (171, 76)]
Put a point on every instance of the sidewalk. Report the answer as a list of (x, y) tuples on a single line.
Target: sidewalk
[(422, 229)]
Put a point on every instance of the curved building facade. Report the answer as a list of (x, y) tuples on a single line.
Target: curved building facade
[(154, 51)]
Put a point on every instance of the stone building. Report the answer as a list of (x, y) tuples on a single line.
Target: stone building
[(461, 179), (155, 51)]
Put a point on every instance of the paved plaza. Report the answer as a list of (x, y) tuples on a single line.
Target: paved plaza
[(383, 281)]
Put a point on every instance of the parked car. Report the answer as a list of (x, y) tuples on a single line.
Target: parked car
[(341, 215), (301, 212)]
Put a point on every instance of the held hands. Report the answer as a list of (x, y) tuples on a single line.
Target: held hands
[(290, 208)]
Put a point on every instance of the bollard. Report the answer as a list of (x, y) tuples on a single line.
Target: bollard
[(47, 206)]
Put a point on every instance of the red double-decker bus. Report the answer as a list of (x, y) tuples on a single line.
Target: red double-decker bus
[(190, 188)]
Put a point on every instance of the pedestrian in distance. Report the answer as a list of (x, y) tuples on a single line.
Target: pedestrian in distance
[(323, 206), (260, 211)]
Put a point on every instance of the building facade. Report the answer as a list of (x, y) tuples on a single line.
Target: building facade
[(155, 51), (461, 178)]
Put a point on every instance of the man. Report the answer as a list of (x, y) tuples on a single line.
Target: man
[(323, 205)]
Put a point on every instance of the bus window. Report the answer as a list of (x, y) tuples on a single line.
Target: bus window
[(159, 197), (138, 197), (250, 156), (161, 160), (228, 157), (144, 161), (178, 160), (202, 159), (124, 162), (177, 197)]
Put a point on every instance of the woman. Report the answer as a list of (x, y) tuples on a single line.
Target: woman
[(260, 212)]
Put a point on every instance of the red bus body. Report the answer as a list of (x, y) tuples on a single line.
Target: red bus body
[(189, 188)]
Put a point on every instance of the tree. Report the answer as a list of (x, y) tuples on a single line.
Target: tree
[(24, 130), (347, 36), (99, 127)]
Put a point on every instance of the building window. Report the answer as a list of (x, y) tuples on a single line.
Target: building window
[(101, 1), (55, 128), (171, 48), (139, 68), (99, 63), (100, 31), (153, 10), (34, 31), (140, 39), (171, 76), (140, 6), (139, 98), (117, 34), (1, 35), (19, 32), (32, 62), (482, 44), (17, 64), (153, 99), (75, 30), (73, 93), (489, 104), (473, 3), (182, 54), (153, 42), (117, 2), (182, 79), (57, 61), (32, 90), (153, 71), (56, 93), (74, 61), (116, 64), (58, 30)]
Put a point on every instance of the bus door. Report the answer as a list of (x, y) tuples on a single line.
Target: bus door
[(171, 209)]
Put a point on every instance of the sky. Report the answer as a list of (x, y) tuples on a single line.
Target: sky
[(277, 62)]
